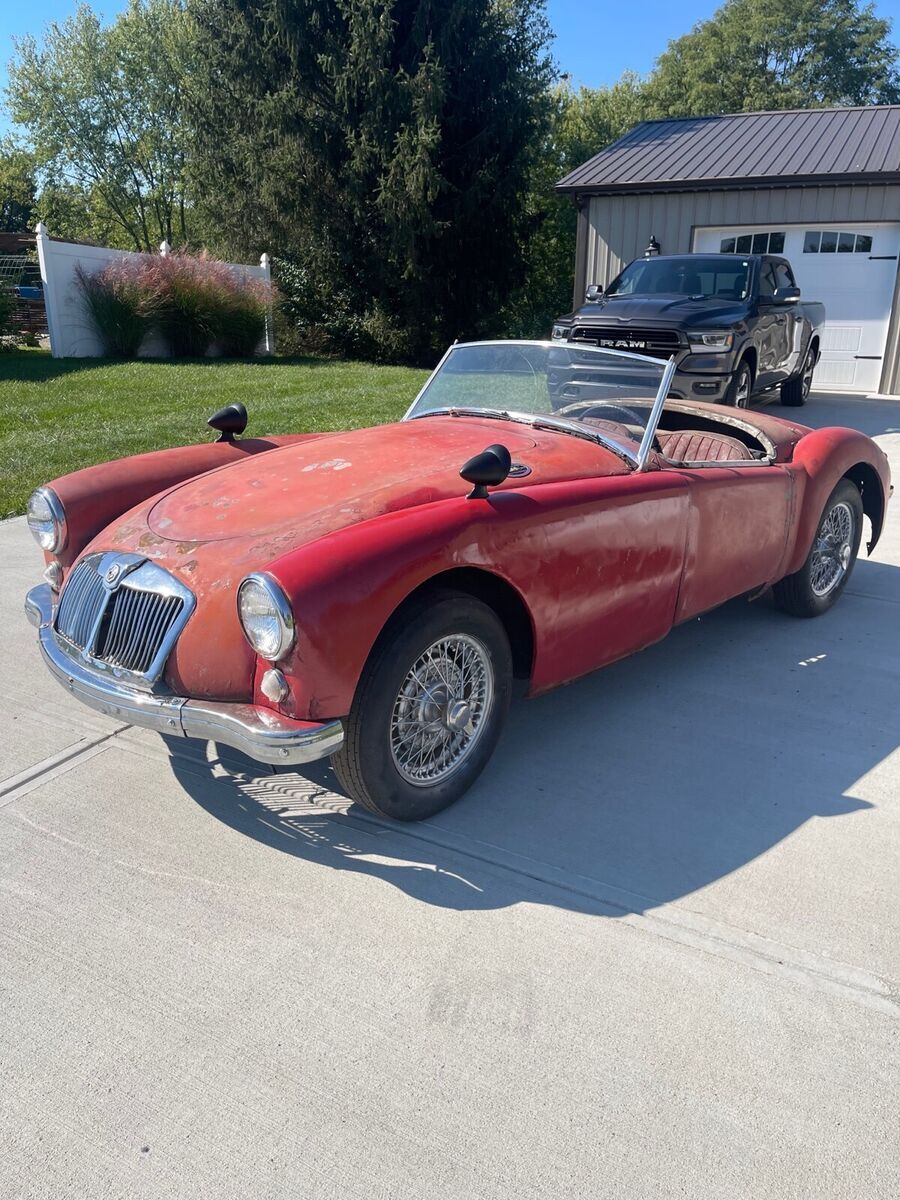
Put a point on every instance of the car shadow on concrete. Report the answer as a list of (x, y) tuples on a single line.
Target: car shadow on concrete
[(631, 788)]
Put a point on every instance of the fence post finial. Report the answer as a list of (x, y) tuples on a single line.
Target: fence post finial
[(164, 248)]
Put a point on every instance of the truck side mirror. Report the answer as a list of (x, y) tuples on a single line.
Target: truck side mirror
[(594, 292), (786, 295)]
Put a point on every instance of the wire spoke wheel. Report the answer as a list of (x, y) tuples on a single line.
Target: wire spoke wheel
[(833, 549), (441, 709)]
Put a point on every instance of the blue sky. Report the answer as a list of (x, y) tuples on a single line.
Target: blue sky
[(596, 40)]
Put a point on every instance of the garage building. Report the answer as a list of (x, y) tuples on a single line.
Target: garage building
[(821, 187)]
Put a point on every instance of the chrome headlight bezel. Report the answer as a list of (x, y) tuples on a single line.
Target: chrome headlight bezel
[(710, 341), (50, 531), (559, 333), (273, 605)]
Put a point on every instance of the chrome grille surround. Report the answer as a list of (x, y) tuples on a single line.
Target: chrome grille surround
[(121, 614)]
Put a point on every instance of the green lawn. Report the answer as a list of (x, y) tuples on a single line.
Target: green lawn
[(62, 414)]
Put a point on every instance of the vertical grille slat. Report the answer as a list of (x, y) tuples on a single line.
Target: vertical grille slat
[(135, 621), (137, 627), (82, 601)]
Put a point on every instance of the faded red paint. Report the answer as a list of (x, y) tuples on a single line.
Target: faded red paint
[(604, 560)]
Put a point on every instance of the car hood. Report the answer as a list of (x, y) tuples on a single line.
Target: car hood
[(301, 492), (213, 530), (641, 309)]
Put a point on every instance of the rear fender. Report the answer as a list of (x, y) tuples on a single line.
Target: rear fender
[(96, 496), (820, 460)]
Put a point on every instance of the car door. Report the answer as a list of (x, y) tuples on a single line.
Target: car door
[(770, 327), (605, 579), (737, 533)]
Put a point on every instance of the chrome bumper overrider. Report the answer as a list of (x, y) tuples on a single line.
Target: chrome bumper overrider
[(258, 732)]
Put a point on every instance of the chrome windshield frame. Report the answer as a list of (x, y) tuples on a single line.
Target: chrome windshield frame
[(637, 462)]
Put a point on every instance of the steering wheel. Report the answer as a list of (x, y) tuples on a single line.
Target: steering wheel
[(589, 405)]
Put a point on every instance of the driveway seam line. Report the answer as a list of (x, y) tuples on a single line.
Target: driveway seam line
[(49, 768)]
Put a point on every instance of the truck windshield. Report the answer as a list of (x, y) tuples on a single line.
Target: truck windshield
[(723, 276)]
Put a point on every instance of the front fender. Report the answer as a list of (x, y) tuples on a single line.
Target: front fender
[(345, 587), (95, 496), (820, 460)]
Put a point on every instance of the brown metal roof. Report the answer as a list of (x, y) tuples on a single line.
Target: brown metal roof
[(824, 145)]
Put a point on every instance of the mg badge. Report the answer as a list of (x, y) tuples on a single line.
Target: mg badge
[(113, 574)]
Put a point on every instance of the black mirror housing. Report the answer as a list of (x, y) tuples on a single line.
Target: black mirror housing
[(487, 469), (786, 295), (228, 421)]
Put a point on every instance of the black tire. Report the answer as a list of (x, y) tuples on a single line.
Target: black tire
[(367, 767), (795, 391), (797, 594), (740, 389)]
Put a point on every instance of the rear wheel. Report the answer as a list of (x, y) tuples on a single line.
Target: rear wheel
[(813, 589), (428, 710), (738, 393), (795, 391)]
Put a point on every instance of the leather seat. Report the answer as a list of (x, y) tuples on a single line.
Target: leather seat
[(690, 445)]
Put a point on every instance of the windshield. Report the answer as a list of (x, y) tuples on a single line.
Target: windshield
[(603, 394), (723, 276)]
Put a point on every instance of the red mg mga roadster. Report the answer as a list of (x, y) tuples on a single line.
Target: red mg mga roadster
[(542, 510)]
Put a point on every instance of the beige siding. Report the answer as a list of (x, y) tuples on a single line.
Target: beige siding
[(619, 228)]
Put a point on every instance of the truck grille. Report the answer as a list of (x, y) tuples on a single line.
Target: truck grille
[(657, 342), (122, 612)]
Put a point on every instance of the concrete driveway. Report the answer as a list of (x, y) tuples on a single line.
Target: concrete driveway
[(654, 953)]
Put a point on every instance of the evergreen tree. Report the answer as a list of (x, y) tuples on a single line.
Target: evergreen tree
[(383, 146)]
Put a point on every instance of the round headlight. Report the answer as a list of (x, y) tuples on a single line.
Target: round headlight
[(46, 520), (266, 617)]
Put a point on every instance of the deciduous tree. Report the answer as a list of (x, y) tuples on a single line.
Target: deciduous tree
[(102, 105), (764, 54)]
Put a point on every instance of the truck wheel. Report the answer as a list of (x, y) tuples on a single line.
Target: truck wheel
[(813, 589), (428, 710), (794, 391), (738, 393)]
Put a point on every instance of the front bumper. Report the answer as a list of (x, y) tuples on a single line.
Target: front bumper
[(258, 732)]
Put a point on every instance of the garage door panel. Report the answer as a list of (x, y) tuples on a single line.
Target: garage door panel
[(837, 372), (841, 337)]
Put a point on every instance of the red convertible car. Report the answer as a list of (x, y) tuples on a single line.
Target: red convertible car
[(348, 594)]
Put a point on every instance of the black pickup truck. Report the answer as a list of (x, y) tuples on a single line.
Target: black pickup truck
[(734, 322)]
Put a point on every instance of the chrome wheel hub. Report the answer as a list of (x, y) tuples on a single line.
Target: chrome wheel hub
[(807, 376), (742, 392), (833, 549), (441, 709)]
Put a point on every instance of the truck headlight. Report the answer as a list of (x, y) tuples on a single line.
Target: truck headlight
[(47, 520), (266, 617), (711, 339), (560, 332)]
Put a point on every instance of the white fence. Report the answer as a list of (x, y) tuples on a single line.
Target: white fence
[(72, 334)]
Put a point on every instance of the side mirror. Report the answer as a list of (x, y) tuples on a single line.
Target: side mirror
[(786, 295), (593, 293), (228, 421), (487, 469)]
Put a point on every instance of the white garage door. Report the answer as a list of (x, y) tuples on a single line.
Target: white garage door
[(851, 268)]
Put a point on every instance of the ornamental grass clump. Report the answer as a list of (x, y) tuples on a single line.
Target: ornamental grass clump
[(242, 316), (118, 303), (195, 303), (187, 301)]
